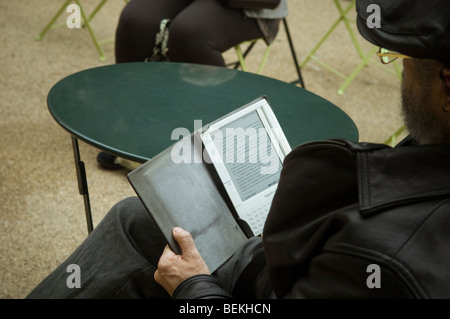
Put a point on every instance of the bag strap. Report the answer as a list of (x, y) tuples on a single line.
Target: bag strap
[(162, 38)]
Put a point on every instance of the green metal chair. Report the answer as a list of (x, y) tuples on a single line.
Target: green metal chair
[(365, 58), (86, 19), (242, 55), (393, 139), (250, 44)]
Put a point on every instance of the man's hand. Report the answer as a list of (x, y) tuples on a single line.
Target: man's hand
[(174, 269)]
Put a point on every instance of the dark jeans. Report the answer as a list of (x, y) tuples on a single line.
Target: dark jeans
[(199, 32), (118, 259)]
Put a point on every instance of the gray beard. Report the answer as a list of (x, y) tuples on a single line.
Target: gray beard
[(420, 121)]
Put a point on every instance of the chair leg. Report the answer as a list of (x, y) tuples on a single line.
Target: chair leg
[(264, 59), (356, 71), (241, 61), (52, 21), (342, 16), (241, 56), (96, 10), (86, 20), (392, 140), (365, 58), (345, 20), (86, 23)]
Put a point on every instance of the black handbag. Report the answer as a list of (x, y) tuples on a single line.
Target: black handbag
[(252, 4)]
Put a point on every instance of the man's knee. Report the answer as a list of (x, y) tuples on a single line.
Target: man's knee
[(135, 223), (128, 211)]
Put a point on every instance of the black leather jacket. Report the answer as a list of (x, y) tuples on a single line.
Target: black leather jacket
[(353, 220)]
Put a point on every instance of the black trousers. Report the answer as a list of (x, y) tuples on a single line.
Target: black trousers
[(118, 260), (200, 30)]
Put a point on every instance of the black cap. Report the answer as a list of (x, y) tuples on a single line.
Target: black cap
[(417, 28)]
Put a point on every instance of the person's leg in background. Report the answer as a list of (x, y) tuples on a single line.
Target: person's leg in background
[(138, 25), (205, 29), (200, 30)]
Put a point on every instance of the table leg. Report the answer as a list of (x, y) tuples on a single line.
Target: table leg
[(294, 55), (82, 183)]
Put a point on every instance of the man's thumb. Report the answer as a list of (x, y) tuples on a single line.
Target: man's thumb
[(185, 241)]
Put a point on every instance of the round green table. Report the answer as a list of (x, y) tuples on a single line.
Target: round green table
[(131, 109)]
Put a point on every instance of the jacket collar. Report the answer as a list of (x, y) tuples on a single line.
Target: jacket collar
[(389, 177)]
